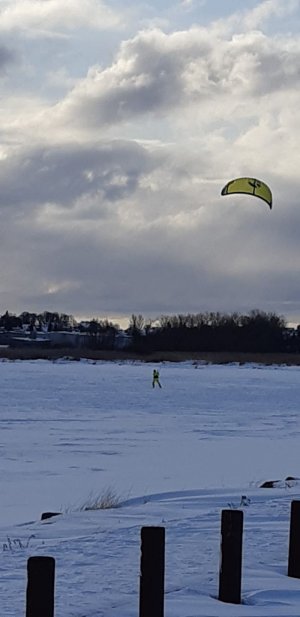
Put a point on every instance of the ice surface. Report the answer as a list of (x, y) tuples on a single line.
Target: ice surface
[(176, 457)]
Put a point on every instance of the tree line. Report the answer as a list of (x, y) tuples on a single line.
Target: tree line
[(257, 331)]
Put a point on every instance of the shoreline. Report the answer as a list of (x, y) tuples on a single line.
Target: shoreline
[(214, 357)]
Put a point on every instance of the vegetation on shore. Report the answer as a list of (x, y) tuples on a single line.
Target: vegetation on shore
[(198, 358)]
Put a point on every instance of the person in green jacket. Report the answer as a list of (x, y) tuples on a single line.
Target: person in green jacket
[(155, 379)]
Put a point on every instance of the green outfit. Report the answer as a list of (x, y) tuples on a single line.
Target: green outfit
[(155, 379)]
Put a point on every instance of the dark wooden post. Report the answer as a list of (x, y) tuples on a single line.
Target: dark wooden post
[(231, 556), (294, 541), (152, 572), (40, 587)]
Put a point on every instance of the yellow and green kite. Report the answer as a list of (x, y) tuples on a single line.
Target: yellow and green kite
[(250, 186)]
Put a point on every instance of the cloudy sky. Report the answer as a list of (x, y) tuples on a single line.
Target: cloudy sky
[(120, 124)]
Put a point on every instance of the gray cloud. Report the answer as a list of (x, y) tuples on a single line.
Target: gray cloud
[(234, 255), (64, 174), (120, 227), (7, 56)]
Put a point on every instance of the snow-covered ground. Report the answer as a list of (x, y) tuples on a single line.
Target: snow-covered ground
[(176, 457)]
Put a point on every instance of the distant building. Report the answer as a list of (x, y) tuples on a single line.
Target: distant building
[(23, 337)]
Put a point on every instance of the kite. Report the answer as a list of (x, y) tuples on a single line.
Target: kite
[(250, 186)]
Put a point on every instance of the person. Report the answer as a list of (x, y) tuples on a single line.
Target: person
[(155, 378)]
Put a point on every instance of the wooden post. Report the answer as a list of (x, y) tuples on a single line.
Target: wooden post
[(152, 572), (40, 587), (294, 541), (230, 575)]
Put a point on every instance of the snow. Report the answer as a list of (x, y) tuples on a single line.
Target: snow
[(175, 457)]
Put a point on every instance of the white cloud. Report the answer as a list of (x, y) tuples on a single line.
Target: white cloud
[(191, 4), (256, 17), (156, 75), (50, 15), (215, 78)]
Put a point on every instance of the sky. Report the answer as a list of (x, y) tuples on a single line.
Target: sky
[(73, 432), (120, 124)]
